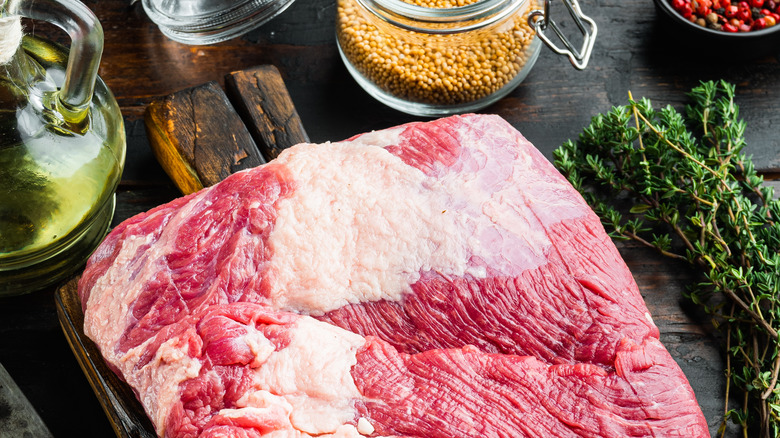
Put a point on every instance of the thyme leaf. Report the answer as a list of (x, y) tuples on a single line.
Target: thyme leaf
[(683, 185)]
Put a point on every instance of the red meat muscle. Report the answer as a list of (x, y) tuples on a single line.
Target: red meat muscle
[(436, 279)]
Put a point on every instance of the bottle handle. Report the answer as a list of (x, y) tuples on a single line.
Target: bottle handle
[(86, 33), (541, 20)]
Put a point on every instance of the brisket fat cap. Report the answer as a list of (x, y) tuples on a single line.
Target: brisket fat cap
[(432, 279)]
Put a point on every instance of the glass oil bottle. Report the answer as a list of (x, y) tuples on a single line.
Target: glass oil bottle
[(62, 149)]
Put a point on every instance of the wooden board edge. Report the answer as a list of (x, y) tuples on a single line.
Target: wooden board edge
[(166, 152), (114, 403)]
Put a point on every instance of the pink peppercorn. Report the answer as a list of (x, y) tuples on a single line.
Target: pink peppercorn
[(730, 15), (744, 14)]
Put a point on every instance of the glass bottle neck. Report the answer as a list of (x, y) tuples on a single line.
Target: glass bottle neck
[(18, 75), (73, 100)]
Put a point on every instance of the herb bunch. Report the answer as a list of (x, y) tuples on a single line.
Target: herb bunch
[(683, 185)]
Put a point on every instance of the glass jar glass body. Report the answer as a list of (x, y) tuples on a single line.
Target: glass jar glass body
[(437, 61), (57, 179)]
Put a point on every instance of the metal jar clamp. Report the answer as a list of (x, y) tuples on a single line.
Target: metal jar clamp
[(540, 21)]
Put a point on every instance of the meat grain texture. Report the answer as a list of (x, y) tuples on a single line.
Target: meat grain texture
[(435, 279)]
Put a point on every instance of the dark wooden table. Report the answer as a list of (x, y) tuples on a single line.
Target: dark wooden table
[(634, 51)]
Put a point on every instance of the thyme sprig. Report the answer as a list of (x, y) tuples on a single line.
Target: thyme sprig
[(683, 185)]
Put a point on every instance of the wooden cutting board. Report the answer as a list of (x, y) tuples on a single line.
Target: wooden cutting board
[(200, 136)]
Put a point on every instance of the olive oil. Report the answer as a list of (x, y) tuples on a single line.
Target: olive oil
[(57, 177), (49, 185)]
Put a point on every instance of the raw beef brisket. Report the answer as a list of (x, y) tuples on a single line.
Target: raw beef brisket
[(435, 279)]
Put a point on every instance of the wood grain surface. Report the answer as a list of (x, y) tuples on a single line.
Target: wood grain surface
[(264, 104), (634, 51), (198, 138)]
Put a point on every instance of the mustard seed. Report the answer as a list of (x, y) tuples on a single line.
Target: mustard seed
[(434, 68)]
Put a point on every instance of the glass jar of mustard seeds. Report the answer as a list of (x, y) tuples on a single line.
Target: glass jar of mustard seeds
[(439, 57)]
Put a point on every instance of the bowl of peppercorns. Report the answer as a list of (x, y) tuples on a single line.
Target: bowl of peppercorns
[(744, 28)]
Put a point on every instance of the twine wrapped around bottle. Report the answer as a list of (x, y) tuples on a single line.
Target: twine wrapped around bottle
[(10, 37)]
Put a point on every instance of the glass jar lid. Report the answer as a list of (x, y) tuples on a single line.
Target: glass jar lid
[(211, 21)]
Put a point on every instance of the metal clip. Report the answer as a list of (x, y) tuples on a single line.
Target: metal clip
[(540, 20)]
